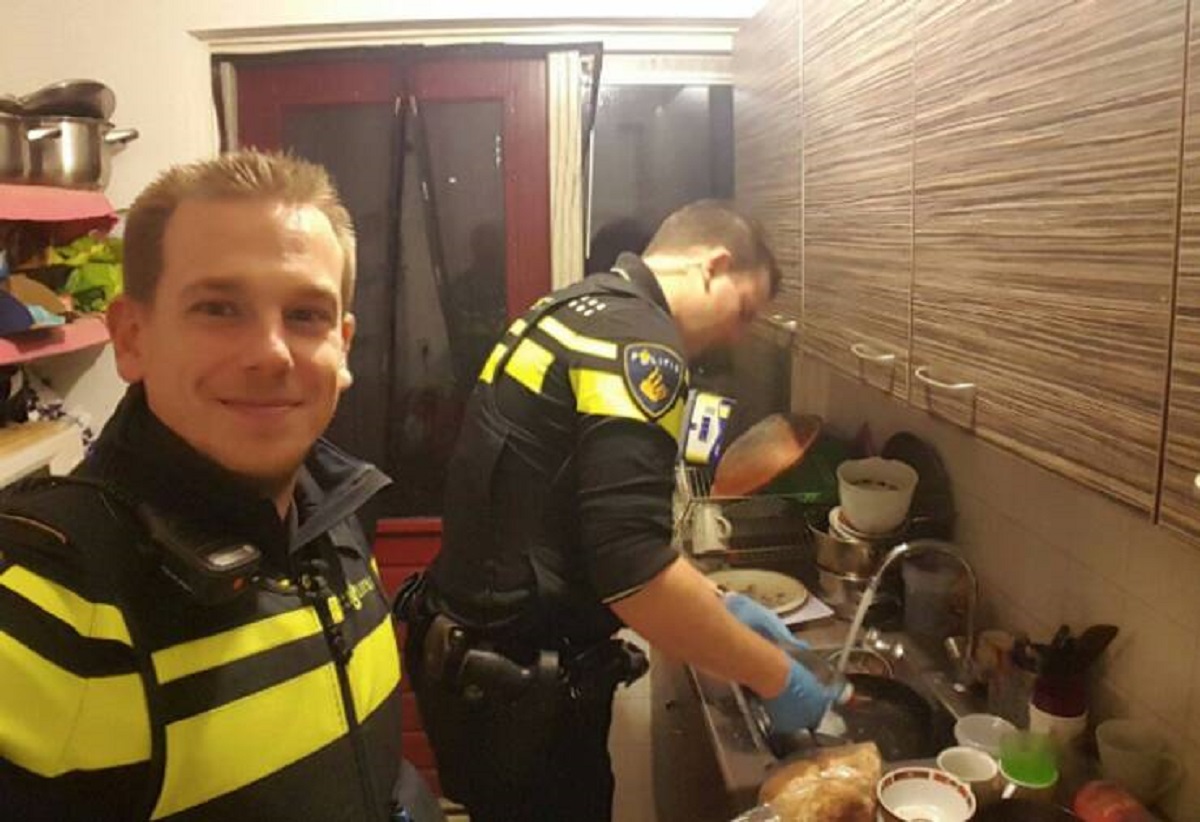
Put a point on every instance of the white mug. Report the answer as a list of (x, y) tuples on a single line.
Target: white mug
[(710, 530), (1134, 755), (976, 768)]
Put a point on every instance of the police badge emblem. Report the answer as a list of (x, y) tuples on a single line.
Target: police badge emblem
[(653, 376)]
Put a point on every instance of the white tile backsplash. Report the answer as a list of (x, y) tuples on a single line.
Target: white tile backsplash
[(1047, 551), (1163, 570), (1092, 598), (1156, 670)]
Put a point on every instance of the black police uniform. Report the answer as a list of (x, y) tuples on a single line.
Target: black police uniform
[(122, 697), (558, 503)]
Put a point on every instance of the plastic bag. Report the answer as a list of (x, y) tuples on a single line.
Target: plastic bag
[(833, 785)]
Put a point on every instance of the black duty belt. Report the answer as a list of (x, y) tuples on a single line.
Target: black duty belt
[(480, 667)]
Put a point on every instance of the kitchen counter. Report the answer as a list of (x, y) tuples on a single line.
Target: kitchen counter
[(741, 756)]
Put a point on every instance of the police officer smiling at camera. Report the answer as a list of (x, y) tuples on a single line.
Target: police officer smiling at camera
[(557, 531), (191, 626)]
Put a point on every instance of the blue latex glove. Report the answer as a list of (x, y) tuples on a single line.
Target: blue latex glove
[(763, 621), (802, 702)]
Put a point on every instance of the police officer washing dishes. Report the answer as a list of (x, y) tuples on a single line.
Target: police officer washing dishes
[(557, 531), (191, 627)]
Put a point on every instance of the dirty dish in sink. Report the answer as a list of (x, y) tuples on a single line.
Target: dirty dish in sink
[(884, 711), (864, 661), (924, 795), (771, 589)]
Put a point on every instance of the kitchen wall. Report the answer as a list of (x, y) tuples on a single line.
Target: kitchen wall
[(1049, 551), (146, 50)]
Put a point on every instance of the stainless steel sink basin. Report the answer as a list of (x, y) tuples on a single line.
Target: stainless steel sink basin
[(910, 715)]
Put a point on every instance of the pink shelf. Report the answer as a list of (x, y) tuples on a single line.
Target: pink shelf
[(47, 204), (47, 342), (71, 213)]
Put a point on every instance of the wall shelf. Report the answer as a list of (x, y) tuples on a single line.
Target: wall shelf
[(50, 445), (48, 342), (47, 204)]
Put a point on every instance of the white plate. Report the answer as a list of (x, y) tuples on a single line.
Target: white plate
[(779, 592), (841, 528)]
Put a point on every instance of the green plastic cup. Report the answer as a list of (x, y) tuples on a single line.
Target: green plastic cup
[(1028, 759)]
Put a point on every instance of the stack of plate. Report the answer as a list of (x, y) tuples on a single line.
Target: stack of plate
[(839, 525)]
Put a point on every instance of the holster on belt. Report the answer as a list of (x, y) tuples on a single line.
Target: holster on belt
[(599, 669), (473, 668), (409, 605)]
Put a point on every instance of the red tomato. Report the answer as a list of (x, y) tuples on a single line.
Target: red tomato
[(1106, 802)]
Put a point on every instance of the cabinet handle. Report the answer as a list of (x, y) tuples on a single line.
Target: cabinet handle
[(861, 351), (921, 372), (783, 322)]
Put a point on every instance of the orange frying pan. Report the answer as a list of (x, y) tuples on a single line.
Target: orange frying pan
[(766, 450)]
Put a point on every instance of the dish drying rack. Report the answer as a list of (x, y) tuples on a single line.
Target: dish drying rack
[(693, 488)]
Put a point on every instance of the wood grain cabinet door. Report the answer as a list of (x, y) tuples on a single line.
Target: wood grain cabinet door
[(1046, 172), (858, 141), (767, 147), (1179, 504)]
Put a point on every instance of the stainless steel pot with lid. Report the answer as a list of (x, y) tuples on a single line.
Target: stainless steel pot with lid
[(77, 154), (16, 138)]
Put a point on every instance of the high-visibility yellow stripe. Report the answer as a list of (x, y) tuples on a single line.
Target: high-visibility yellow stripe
[(237, 643), (88, 619), (214, 753), (528, 365), (52, 721), (488, 372), (672, 421), (605, 394), (374, 669), (575, 341)]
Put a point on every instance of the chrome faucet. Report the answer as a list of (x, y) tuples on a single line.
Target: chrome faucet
[(964, 676)]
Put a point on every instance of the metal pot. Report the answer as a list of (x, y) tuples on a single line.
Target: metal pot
[(842, 592), (78, 155), (16, 137), (842, 555)]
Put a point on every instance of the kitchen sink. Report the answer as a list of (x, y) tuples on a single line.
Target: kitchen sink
[(909, 714)]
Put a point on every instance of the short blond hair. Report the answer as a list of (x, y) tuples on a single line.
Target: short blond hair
[(239, 175)]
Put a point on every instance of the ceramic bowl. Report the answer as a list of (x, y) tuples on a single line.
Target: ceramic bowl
[(875, 494), (926, 794), (982, 732)]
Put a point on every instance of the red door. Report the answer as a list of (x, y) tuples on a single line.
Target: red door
[(444, 165)]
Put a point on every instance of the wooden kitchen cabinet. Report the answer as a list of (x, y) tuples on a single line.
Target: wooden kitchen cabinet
[(767, 117), (858, 231), (1039, 147), (1179, 503), (1046, 166)]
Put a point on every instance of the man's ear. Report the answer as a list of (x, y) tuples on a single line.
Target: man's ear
[(345, 375), (717, 262), (127, 320)]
